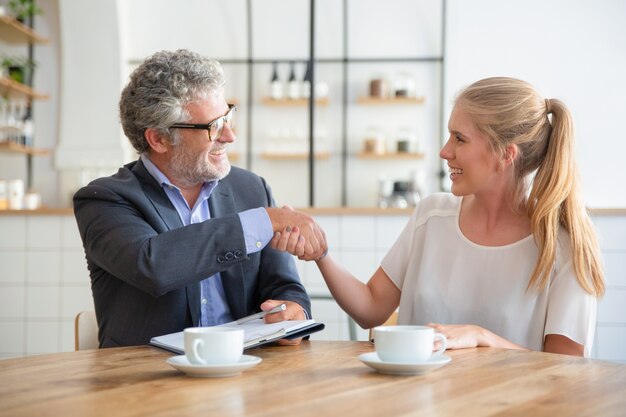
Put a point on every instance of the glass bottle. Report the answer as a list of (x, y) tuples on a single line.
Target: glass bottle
[(276, 87), (28, 128), (306, 82), (293, 87), (399, 197)]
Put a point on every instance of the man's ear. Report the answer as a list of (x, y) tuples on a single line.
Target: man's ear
[(158, 142)]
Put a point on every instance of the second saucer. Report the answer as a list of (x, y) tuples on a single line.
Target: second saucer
[(393, 368), (181, 363)]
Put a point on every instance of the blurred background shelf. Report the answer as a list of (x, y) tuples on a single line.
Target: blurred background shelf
[(286, 102), (391, 155), (16, 148), (374, 101), (13, 89), (13, 31), (293, 156)]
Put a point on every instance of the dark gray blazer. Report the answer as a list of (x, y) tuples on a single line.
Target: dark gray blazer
[(146, 268)]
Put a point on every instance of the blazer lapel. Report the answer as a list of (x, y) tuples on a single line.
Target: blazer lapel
[(221, 204), (157, 196)]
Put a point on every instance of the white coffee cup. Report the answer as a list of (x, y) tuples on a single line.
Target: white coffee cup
[(213, 345), (407, 344)]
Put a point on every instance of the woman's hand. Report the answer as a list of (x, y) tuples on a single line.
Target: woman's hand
[(461, 336), (289, 240), (307, 240)]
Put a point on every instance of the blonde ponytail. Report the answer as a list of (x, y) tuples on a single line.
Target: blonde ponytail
[(555, 201)]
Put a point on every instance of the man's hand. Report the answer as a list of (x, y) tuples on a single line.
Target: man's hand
[(308, 241), (293, 312)]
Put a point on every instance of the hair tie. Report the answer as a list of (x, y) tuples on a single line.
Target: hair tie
[(548, 106)]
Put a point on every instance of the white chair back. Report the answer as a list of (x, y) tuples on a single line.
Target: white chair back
[(86, 331)]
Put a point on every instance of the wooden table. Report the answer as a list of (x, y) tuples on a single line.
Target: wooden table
[(314, 379)]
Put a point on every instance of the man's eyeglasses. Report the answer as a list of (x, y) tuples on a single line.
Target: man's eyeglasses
[(216, 127)]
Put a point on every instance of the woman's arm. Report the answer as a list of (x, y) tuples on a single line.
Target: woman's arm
[(368, 304), (467, 335), (556, 343)]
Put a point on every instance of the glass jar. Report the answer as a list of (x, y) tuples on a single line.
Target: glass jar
[(405, 140), (379, 87), (374, 141), (404, 86)]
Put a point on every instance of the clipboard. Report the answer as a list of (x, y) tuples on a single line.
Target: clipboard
[(256, 333)]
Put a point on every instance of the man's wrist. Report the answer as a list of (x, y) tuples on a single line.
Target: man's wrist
[(257, 229)]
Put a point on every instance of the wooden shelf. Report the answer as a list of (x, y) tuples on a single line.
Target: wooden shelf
[(391, 155), (285, 102), (9, 129), (11, 88), (12, 31), (11, 147), (293, 156), (375, 101)]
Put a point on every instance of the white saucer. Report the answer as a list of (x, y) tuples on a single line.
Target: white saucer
[(213, 371), (394, 368)]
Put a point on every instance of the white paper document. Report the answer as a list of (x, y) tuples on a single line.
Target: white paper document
[(256, 332)]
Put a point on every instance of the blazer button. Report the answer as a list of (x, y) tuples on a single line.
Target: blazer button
[(220, 259), (229, 256), (238, 254)]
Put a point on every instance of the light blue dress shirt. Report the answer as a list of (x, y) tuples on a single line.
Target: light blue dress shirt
[(257, 229)]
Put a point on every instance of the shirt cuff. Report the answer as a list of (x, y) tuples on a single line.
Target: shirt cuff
[(257, 229)]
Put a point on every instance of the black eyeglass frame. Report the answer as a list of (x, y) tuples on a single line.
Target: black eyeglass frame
[(207, 126)]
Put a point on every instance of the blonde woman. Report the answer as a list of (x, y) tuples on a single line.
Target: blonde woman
[(510, 258)]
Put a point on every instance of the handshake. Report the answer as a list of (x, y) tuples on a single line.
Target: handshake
[(297, 233)]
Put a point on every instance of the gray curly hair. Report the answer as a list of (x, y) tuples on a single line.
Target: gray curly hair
[(160, 87)]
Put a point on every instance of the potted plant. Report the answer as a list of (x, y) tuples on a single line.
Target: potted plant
[(18, 68), (23, 10)]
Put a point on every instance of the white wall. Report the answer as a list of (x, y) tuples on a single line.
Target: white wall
[(89, 132), (574, 50)]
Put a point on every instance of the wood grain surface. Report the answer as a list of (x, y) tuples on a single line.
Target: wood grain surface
[(313, 379)]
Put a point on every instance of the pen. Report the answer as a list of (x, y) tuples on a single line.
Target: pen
[(261, 314)]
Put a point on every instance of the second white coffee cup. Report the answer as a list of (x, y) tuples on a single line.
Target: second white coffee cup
[(407, 344), (213, 345)]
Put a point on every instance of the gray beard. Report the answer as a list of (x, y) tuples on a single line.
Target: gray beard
[(190, 169)]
